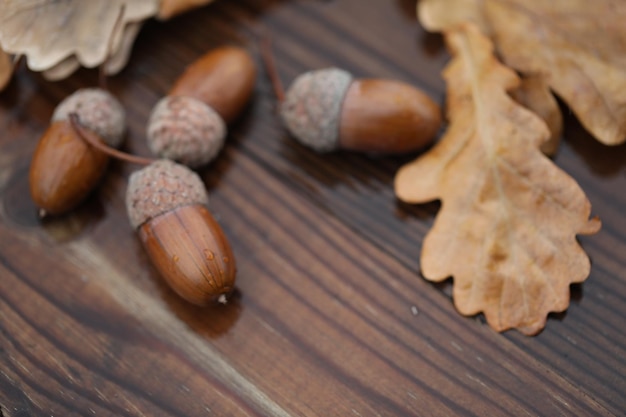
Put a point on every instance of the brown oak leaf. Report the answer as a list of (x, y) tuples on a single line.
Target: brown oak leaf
[(578, 46), (506, 230)]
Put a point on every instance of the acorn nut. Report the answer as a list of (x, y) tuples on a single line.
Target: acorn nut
[(328, 110), (189, 125), (64, 168), (167, 205)]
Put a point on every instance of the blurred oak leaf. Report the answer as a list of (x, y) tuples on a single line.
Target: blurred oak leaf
[(62, 70), (59, 36), (49, 32), (506, 230), (577, 46), (112, 65)]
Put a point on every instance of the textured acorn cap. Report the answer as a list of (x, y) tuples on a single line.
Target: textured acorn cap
[(312, 107), (160, 187), (98, 111), (186, 130)]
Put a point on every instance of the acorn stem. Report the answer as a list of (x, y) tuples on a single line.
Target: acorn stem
[(93, 140), (270, 67)]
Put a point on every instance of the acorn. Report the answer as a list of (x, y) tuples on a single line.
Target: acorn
[(328, 110), (167, 205), (189, 125), (64, 168)]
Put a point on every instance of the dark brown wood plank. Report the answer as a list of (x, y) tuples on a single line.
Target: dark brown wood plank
[(351, 312), (331, 316)]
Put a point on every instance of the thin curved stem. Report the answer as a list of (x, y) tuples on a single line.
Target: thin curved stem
[(270, 67), (93, 140)]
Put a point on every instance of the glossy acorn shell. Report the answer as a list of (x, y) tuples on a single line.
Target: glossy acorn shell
[(223, 78), (386, 116), (189, 249), (64, 169)]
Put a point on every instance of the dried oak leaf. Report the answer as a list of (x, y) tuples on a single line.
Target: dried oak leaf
[(506, 231), (114, 63), (578, 46), (68, 33)]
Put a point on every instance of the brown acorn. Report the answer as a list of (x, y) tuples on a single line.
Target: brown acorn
[(167, 205), (64, 168), (189, 125), (329, 110)]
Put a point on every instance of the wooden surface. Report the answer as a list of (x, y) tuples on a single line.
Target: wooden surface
[(331, 317)]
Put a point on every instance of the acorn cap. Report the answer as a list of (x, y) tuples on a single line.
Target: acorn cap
[(160, 187), (312, 107), (186, 130), (98, 111)]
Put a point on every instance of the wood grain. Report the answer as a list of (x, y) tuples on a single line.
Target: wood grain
[(331, 316)]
